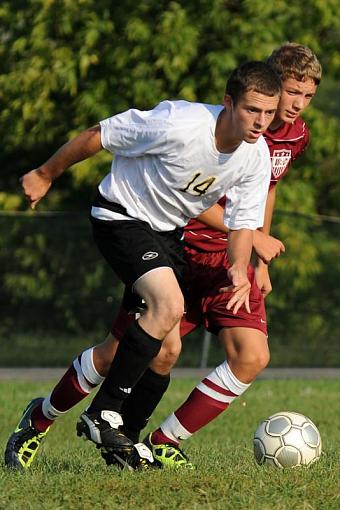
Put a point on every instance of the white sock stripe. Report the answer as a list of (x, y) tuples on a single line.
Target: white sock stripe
[(49, 411), (81, 379), (214, 394), (173, 428), (88, 368), (228, 379)]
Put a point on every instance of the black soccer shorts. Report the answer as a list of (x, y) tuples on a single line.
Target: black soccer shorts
[(132, 248)]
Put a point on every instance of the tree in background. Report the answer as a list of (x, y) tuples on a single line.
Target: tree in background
[(65, 64)]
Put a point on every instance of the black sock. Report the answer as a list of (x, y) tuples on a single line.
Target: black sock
[(142, 402), (135, 351)]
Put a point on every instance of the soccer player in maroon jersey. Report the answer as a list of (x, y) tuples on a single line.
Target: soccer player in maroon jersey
[(244, 335)]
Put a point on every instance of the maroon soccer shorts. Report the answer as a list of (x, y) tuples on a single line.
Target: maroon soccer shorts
[(206, 306), (207, 273)]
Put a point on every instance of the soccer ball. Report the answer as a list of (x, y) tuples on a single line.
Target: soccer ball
[(287, 439)]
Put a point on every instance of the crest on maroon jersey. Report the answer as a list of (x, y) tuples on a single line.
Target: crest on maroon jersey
[(280, 161)]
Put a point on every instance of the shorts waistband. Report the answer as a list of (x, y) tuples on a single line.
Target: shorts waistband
[(100, 201)]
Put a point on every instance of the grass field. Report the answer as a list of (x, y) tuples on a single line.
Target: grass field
[(70, 475)]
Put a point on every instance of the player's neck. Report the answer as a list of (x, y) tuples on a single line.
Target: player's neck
[(276, 124)]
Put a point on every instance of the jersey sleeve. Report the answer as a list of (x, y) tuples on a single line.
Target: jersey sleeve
[(135, 132), (246, 202), (303, 143)]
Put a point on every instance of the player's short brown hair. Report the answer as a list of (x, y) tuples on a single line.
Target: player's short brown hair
[(253, 75), (293, 60)]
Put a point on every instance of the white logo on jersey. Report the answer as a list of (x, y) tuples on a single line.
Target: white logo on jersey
[(280, 160), (149, 255)]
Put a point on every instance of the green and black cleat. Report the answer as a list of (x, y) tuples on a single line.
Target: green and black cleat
[(168, 455), (25, 441)]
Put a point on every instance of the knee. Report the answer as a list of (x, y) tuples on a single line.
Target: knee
[(248, 367), (166, 359), (169, 312), (260, 360)]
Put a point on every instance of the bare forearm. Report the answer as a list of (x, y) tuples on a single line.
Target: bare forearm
[(240, 247), (36, 183), (239, 251), (83, 146), (268, 215), (266, 246), (213, 218)]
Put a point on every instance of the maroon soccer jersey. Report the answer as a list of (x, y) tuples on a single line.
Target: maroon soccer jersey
[(285, 145)]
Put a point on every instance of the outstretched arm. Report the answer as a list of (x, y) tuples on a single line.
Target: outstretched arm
[(36, 183), (266, 247)]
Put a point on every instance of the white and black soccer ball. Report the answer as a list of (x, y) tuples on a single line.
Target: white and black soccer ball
[(287, 439)]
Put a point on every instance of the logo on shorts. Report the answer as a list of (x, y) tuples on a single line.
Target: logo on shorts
[(125, 390), (149, 255)]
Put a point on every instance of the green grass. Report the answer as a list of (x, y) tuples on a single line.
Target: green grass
[(70, 475)]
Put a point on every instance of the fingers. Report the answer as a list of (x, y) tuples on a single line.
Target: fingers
[(235, 304), (282, 248), (269, 256), (239, 298), (268, 248), (222, 290), (34, 187)]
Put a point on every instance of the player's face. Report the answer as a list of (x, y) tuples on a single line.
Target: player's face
[(296, 96), (252, 114)]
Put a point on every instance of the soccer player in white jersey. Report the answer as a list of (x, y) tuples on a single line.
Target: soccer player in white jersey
[(171, 163)]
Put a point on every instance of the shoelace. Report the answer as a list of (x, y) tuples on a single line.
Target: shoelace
[(29, 433)]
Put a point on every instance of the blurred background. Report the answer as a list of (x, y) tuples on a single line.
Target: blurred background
[(65, 65)]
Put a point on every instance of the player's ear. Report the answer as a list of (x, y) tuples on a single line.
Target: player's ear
[(227, 101)]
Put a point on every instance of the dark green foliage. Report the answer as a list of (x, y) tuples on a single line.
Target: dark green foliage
[(64, 65), (53, 277)]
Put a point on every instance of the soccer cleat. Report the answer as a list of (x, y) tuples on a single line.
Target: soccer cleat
[(141, 458), (24, 443), (102, 428), (168, 455)]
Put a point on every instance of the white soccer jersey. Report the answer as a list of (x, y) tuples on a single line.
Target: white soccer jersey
[(167, 169)]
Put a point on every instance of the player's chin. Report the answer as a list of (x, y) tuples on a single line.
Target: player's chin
[(252, 136), (289, 118)]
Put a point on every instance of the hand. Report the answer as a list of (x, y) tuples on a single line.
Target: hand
[(263, 279), (35, 185), (267, 247), (240, 288)]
